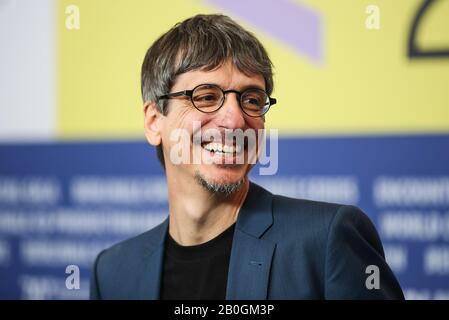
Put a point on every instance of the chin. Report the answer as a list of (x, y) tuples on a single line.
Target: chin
[(225, 183), (223, 174)]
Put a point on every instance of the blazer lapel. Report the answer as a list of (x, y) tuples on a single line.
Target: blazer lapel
[(251, 256), (149, 282)]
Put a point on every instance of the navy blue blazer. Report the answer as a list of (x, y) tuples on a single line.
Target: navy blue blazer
[(283, 248)]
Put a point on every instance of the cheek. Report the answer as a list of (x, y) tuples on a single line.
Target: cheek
[(186, 120), (255, 123), (258, 125), (177, 117)]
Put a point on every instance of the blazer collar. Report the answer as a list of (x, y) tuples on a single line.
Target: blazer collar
[(251, 256), (149, 283), (250, 261), (256, 214)]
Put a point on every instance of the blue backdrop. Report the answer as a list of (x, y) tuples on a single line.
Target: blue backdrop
[(61, 203)]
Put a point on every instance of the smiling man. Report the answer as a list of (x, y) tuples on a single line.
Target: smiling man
[(210, 81)]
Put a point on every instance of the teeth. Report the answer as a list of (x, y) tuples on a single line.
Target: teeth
[(218, 147)]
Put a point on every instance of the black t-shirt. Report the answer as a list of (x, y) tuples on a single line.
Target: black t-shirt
[(197, 272)]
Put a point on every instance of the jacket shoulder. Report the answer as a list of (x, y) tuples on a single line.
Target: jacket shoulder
[(312, 214), (115, 268), (338, 242), (315, 220), (147, 241)]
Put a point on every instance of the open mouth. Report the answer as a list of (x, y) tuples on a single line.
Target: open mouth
[(222, 149)]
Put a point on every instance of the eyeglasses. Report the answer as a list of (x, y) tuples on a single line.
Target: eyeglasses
[(209, 98)]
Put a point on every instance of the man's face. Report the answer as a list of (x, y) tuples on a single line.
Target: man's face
[(215, 168)]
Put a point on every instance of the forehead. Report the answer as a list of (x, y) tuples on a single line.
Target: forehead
[(227, 76)]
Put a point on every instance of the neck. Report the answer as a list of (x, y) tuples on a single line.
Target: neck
[(197, 215)]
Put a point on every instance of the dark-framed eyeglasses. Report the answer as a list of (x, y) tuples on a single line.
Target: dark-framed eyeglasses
[(209, 98)]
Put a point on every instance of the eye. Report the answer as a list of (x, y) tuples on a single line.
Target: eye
[(206, 95), (205, 98), (254, 100)]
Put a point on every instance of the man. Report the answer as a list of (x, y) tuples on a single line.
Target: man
[(225, 237)]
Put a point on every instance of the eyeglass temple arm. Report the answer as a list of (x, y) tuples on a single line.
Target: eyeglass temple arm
[(176, 94)]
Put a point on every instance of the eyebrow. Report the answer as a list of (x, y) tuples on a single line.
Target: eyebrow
[(244, 88)]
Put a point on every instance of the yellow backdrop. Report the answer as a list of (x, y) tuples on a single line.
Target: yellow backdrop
[(365, 83)]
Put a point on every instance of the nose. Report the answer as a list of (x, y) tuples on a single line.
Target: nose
[(231, 115)]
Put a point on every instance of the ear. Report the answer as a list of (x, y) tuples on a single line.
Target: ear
[(152, 123)]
